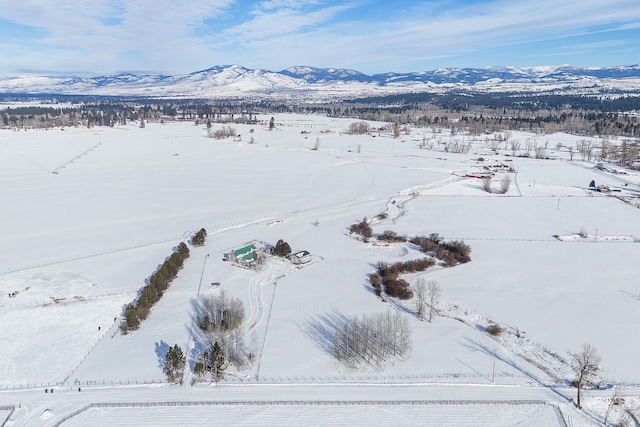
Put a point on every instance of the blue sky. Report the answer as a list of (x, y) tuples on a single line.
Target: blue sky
[(372, 36)]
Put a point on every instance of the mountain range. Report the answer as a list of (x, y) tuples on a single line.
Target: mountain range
[(304, 81)]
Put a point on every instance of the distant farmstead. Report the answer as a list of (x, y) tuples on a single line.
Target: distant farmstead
[(301, 257)]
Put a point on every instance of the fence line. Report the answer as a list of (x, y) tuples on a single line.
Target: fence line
[(116, 405), (11, 410), (348, 379), (91, 255), (66, 300)]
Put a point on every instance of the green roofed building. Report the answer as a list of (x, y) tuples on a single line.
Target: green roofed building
[(244, 256)]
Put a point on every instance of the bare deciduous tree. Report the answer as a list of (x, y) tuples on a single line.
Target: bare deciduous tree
[(515, 146), (486, 184), (505, 183), (358, 128), (586, 365), (541, 153), (615, 400), (420, 292), (433, 295), (371, 338), (396, 130)]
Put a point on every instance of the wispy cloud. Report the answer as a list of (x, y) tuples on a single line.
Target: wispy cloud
[(373, 35)]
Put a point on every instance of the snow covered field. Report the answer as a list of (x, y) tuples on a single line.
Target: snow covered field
[(88, 214)]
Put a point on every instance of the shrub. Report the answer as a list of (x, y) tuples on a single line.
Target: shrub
[(391, 236), (583, 233), (362, 228), (494, 329), (376, 283), (452, 253), (398, 288)]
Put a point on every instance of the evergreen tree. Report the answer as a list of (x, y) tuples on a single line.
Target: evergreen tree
[(199, 238), (217, 361), (282, 248), (183, 250), (131, 320), (174, 362)]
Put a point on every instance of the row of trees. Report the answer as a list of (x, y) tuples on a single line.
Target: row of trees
[(371, 339), (158, 282), (475, 113)]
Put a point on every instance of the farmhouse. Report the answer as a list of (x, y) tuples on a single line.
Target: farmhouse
[(300, 257), (244, 256)]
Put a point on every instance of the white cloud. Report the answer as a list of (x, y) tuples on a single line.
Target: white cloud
[(264, 26), (171, 36)]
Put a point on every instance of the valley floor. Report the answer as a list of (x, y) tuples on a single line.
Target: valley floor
[(90, 214)]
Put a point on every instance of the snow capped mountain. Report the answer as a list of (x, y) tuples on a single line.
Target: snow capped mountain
[(322, 75), (238, 81)]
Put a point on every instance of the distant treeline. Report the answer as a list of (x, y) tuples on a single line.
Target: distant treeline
[(608, 115)]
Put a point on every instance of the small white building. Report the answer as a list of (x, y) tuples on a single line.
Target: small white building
[(300, 257)]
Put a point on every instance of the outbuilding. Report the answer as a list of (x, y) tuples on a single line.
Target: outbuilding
[(300, 257)]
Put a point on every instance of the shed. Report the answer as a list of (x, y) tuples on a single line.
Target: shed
[(300, 257)]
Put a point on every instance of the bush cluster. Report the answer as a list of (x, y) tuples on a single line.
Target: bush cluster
[(152, 292), (388, 277), (362, 228), (391, 236), (451, 253)]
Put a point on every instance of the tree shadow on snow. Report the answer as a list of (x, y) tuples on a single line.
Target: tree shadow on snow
[(323, 329), (162, 348), (201, 340)]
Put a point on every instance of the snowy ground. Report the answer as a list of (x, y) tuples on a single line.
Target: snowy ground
[(89, 214)]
